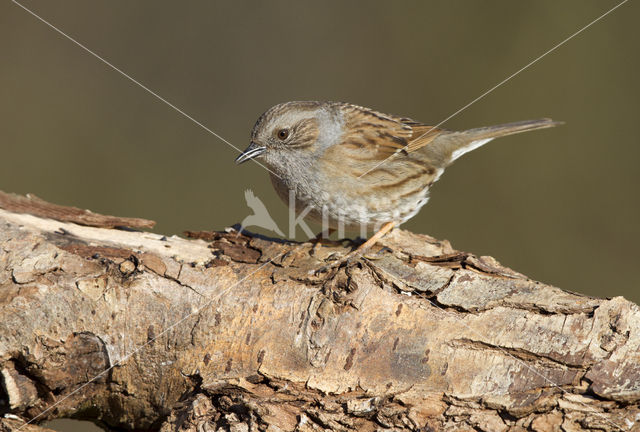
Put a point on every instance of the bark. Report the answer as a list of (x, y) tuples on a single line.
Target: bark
[(222, 331)]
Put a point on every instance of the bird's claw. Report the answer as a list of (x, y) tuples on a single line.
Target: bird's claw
[(326, 268), (345, 260)]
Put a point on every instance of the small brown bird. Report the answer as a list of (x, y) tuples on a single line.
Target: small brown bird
[(356, 168)]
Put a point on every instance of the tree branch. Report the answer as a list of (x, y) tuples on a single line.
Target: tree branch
[(135, 330)]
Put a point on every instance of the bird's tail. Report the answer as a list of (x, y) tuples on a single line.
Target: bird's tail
[(449, 146)]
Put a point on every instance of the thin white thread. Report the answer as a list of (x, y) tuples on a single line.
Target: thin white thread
[(503, 81), (121, 72)]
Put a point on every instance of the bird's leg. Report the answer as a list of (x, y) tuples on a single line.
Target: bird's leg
[(361, 249)]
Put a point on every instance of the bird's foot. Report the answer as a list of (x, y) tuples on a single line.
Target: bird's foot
[(344, 260), (350, 258), (322, 239), (358, 252), (329, 242)]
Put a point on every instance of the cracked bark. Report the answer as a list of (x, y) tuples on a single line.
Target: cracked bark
[(229, 332)]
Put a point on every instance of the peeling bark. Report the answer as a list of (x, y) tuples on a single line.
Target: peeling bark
[(223, 331)]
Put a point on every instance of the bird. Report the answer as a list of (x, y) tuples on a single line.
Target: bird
[(351, 167), (260, 217)]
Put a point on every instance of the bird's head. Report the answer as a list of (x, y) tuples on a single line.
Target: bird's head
[(288, 132)]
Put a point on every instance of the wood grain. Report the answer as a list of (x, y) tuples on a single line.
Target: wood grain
[(231, 332)]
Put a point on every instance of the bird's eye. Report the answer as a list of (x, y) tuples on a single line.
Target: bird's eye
[(283, 134)]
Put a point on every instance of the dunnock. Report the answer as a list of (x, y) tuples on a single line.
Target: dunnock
[(354, 167)]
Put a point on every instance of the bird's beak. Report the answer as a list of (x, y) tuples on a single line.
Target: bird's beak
[(254, 150)]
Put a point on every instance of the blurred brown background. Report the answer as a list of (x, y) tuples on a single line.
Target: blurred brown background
[(559, 205)]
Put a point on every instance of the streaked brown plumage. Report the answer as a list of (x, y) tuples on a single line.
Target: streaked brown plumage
[(359, 167)]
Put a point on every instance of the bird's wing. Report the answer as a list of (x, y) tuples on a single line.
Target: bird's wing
[(422, 135), (383, 135)]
